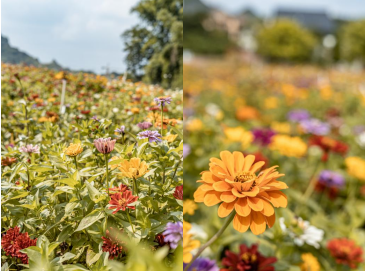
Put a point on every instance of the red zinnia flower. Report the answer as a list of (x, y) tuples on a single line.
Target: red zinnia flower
[(247, 259), (346, 252), (13, 241), (159, 238), (328, 144), (112, 246), (120, 189), (120, 201), (85, 112), (178, 193), (8, 161)]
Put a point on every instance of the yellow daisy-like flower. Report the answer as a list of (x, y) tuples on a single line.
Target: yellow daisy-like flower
[(74, 149), (239, 134), (170, 138), (288, 146), (134, 168), (281, 127), (188, 243), (194, 125), (271, 102), (135, 110), (310, 262), (356, 167), (189, 207)]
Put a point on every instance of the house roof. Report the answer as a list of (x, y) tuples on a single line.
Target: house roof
[(316, 21)]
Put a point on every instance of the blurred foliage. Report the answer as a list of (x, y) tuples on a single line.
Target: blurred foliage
[(155, 46), (353, 41), (200, 41), (285, 40)]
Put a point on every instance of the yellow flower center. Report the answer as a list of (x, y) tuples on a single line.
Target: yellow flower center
[(244, 177), (121, 202), (249, 257)]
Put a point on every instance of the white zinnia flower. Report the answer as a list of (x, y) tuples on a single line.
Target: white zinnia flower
[(310, 234)]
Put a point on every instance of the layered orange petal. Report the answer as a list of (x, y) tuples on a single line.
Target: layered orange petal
[(240, 223), (222, 186), (227, 197), (242, 207), (225, 209), (212, 198), (258, 223)]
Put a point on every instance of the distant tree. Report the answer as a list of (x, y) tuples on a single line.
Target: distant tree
[(352, 41), (285, 40), (155, 46)]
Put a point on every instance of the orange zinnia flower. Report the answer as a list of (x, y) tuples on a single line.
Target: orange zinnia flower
[(232, 181)]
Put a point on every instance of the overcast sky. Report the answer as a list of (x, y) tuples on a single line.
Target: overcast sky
[(337, 8), (78, 34), (85, 34)]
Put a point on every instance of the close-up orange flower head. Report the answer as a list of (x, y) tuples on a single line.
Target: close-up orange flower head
[(234, 183)]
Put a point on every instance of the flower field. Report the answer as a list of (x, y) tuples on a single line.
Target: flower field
[(274, 169), (92, 180)]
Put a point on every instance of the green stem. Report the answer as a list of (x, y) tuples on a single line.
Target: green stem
[(28, 188), (213, 239), (162, 119), (129, 219), (76, 163), (135, 188), (107, 172)]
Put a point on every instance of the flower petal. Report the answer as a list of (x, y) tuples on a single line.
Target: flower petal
[(222, 186), (199, 195), (255, 204), (238, 161), (227, 197), (277, 198), (225, 209), (212, 198), (268, 209), (228, 159), (248, 162), (271, 220), (241, 223), (242, 207), (258, 223)]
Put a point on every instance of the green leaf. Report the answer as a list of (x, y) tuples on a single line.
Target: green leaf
[(94, 193), (70, 182), (90, 219)]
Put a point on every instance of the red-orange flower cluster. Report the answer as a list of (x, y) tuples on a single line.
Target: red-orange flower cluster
[(13, 241), (247, 259), (178, 192), (111, 245), (121, 201), (346, 252), (328, 145)]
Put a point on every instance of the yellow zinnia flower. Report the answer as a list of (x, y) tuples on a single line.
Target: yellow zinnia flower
[(288, 146), (188, 243), (134, 168), (281, 127), (194, 125), (189, 206), (310, 263), (170, 138), (74, 149), (239, 134), (135, 110), (356, 167), (271, 102)]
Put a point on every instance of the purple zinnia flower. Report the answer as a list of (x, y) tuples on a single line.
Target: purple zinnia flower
[(104, 145), (331, 179), (153, 136), (144, 125), (298, 115), (186, 150), (95, 118), (162, 100), (121, 130), (173, 234), (263, 136), (30, 148), (203, 264), (315, 126)]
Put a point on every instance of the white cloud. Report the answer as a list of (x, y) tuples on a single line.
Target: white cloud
[(79, 34)]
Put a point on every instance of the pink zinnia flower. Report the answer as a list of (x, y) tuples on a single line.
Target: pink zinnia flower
[(104, 145), (30, 148)]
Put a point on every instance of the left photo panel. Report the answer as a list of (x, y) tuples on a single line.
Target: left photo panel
[(91, 135)]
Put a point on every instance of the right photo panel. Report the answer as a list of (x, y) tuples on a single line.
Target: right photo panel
[(274, 135)]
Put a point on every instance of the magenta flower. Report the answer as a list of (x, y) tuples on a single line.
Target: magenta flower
[(263, 136), (30, 148), (104, 145)]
